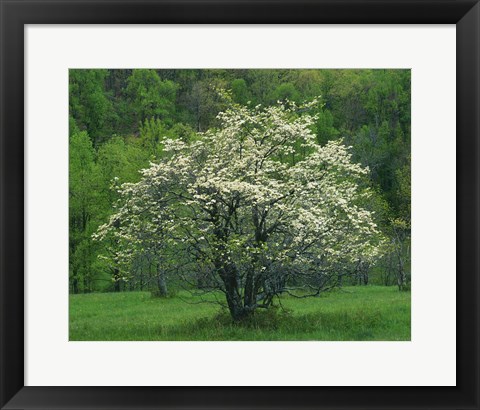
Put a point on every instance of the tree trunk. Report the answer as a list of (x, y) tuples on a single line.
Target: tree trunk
[(401, 273), (249, 297), (75, 285), (162, 283), (116, 286), (365, 278), (85, 284), (116, 278), (401, 278), (234, 300)]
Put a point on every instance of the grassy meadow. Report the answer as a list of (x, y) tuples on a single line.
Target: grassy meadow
[(350, 313)]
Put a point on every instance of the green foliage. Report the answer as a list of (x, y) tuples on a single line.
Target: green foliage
[(153, 133), (403, 189), (202, 103), (150, 96), (89, 103), (240, 91), (83, 198), (324, 128), (285, 92), (119, 119), (121, 159)]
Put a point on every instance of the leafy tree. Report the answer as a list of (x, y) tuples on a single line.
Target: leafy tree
[(153, 132), (262, 82), (308, 82), (83, 196), (285, 92), (324, 127), (118, 161), (89, 103), (204, 103), (240, 91), (150, 96), (258, 225)]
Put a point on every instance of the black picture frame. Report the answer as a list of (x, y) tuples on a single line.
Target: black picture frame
[(15, 14)]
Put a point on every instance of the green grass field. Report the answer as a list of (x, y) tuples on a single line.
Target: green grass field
[(351, 313)]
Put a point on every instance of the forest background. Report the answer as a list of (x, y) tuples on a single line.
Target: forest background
[(119, 118)]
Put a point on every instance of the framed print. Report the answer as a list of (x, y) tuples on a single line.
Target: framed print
[(237, 205)]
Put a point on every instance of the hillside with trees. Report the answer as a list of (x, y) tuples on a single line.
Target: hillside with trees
[(249, 184)]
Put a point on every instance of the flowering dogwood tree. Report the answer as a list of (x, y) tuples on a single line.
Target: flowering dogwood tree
[(255, 207)]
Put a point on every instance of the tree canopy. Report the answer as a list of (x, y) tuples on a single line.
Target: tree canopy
[(238, 204)]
